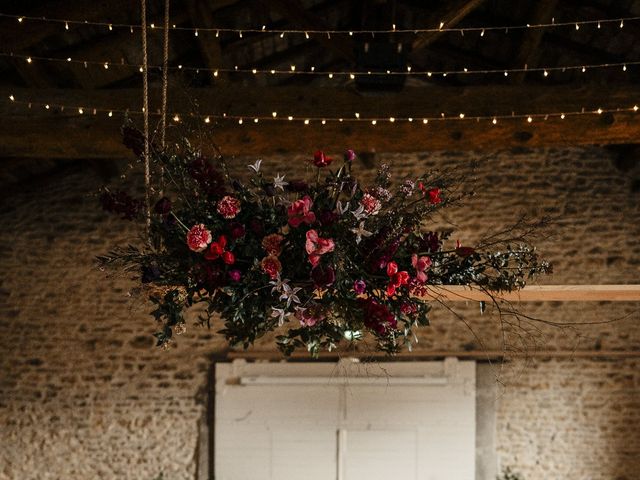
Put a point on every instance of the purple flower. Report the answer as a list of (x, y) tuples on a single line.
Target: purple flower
[(327, 217), (235, 275), (359, 286)]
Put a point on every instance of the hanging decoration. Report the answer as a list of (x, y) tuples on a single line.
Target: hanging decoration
[(321, 261)]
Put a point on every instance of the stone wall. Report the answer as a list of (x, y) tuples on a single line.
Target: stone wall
[(84, 394)]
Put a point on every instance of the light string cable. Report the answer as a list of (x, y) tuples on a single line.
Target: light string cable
[(294, 70), (442, 27), (355, 117)]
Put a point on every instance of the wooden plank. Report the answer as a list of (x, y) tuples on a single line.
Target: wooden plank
[(448, 16), (543, 293), (52, 134)]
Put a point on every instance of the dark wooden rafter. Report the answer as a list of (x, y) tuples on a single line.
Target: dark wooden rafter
[(301, 18), (41, 133), (529, 52), (449, 16), (201, 14)]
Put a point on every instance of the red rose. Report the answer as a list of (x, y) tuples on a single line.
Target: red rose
[(300, 212), (321, 160), (229, 207), (198, 238), (396, 278)]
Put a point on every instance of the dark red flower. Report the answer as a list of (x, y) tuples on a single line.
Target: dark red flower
[(396, 278), (297, 186), (320, 159), (236, 230), (228, 257), (162, 206), (121, 203), (235, 275), (210, 180), (216, 249), (228, 207), (376, 316), (271, 266), (349, 156), (465, 251), (323, 276)]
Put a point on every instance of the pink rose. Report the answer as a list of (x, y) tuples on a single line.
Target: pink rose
[(317, 246), (420, 264), (300, 212), (198, 238), (229, 207)]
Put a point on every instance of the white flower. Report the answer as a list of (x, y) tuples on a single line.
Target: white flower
[(278, 284), (256, 166), (278, 182), (361, 232), (289, 294), (280, 314), (342, 209), (359, 213)]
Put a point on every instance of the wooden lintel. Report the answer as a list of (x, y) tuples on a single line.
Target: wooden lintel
[(542, 293), (38, 132), (430, 354)]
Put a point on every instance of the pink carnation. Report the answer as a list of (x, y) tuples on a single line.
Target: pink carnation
[(300, 212), (317, 246), (371, 204), (229, 207), (198, 238), (271, 266)]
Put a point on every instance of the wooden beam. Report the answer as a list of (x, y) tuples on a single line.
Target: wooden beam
[(294, 11), (201, 15), (543, 293), (529, 51), (47, 134), (428, 354), (448, 16)]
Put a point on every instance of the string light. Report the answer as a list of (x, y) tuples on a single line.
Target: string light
[(357, 117), (294, 70), (263, 29)]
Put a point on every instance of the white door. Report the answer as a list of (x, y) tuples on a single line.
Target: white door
[(346, 421)]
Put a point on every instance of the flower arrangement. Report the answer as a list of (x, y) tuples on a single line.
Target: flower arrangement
[(323, 262)]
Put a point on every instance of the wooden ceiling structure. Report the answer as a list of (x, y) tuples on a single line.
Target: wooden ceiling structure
[(51, 133)]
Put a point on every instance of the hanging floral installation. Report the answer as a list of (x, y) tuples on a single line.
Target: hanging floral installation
[(323, 261)]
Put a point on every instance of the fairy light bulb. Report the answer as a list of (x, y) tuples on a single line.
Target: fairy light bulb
[(110, 27), (215, 73), (357, 115), (80, 110), (290, 118), (391, 119), (20, 19), (494, 121), (12, 98), (352, 76), (110, 114), (255, 120), (274, 114), (577, 27), (529, 119), (153, 25), (584, 69), (323, 121), (254, 71), (624, 68), (461, 115), (207, 120), (562, 116), (29, 60), (410, 119), (425, 121), (240, 34), (635, 108), (441, 25), (482, 33), (46, 106), (240, 122), (176, 118), (306, 121), (66, 25), (331, 75), (195, 34), (293, 68), (546, 74), (106, 66), (306, 35), (68, 59), (599, 111), (264, 27), (373, 122), (273, 72), (621, 23)]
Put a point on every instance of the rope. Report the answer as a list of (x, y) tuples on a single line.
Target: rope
[(145, 112), (165, 77)]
